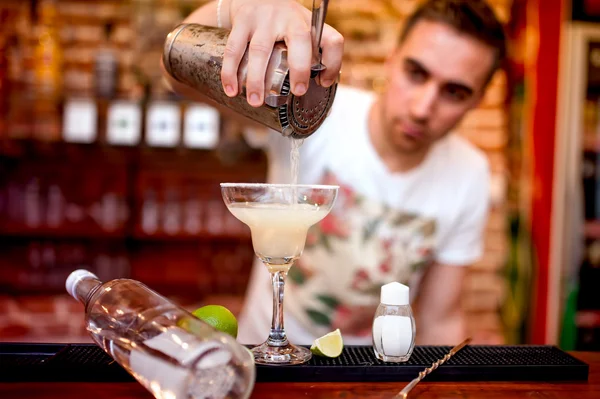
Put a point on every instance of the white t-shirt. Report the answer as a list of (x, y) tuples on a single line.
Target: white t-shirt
[(383, 227)]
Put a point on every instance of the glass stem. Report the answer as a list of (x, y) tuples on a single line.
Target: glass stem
[(277, 335)]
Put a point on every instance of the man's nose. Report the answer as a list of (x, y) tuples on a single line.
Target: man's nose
[(423, 102)]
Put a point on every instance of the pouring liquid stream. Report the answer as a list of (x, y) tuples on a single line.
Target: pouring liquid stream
[(295, 164)]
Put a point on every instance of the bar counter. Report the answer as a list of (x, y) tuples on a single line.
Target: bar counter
[(328, 390)]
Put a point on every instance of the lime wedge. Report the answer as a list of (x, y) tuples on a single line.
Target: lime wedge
[(329, 345)]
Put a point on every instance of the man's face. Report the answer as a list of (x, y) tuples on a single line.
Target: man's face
[(435, 76)]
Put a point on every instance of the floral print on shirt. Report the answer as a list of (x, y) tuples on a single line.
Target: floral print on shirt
[(359, 246)]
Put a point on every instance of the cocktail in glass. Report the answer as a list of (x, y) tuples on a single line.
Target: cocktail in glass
[(279, 216)]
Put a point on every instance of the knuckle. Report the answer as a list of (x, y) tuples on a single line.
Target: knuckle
[(302, 33), (334, 39), (253, 86), (254, 79), (231, 49), (243, 11), (300, 75), (300, 71), (226, 75), (268, 10), (260, 47)]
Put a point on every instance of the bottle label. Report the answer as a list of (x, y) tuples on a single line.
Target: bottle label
[(201, 127), (124, 123), (80, 120), (163, 124)]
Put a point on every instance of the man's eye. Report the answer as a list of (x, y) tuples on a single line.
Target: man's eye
[(416, 75), (455, 94)]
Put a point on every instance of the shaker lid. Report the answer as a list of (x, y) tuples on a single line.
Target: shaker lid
[(394, 294)]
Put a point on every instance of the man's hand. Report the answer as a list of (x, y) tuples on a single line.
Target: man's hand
[(258, 25)]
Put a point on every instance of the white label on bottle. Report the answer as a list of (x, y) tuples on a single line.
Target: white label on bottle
[(201, 127), (163, 124), (80, 119), (124, 123), (392, 335)]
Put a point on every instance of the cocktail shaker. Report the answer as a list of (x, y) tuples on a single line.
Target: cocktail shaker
[(193, 55)]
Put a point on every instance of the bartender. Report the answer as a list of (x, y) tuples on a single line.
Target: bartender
[(414, 196)]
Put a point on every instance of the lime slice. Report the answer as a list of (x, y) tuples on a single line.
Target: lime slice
[(219, 317), (329, 345)]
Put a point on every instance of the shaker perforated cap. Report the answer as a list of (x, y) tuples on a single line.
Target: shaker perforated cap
[(75, 277), (394, 294)]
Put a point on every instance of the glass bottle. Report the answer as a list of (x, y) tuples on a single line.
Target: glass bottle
[(169, 351)]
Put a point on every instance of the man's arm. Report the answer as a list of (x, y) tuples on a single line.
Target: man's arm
[(440, 319), (440, 316)]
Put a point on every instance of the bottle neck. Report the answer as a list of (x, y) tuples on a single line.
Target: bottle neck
[(85, 288)]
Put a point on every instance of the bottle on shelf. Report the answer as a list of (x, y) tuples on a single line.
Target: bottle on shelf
[(48, 52), (48, 62), (169, 351), (106, 66)]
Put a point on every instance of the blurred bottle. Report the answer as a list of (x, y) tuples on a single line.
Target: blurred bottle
[(47, 72), (106, 66), (172, 213), (169, 351), (48, 55), (18, 57), (33, 204), (55, 212), (192, 220), (150, 213), (3, 75)]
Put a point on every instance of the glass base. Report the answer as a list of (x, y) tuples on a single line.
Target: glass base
[(393, 359), (274, 355)]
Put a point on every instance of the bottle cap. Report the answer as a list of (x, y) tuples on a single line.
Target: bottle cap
[(394, 294), (74, 279)]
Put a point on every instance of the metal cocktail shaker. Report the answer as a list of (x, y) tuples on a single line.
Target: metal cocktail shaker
[(193, 55)]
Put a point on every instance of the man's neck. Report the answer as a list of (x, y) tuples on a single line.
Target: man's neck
[(394, 160)]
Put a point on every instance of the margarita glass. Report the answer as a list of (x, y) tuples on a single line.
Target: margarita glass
[(279, 216)]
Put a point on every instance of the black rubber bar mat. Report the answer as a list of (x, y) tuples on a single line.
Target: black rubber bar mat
[(87, 362)]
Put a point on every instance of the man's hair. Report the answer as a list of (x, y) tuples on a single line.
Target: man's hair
[(472, 17)]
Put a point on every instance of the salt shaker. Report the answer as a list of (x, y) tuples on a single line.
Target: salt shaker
[(394, 324)]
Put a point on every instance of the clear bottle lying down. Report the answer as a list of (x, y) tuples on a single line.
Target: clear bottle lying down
[(169, 351)]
